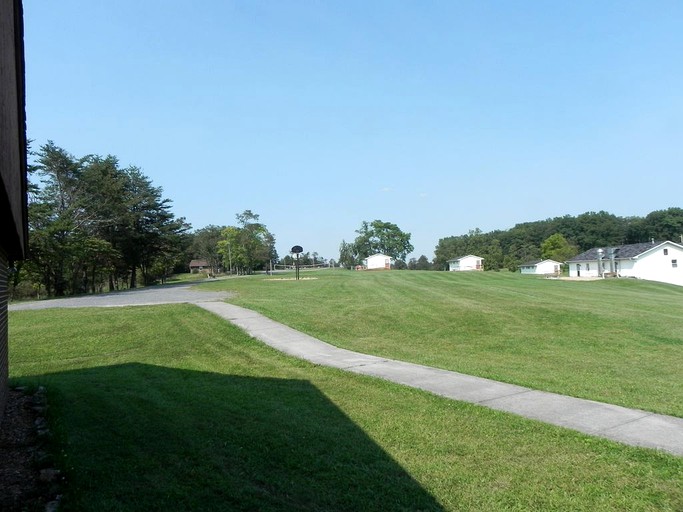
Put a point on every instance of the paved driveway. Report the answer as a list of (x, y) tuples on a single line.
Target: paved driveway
[(167, 294)]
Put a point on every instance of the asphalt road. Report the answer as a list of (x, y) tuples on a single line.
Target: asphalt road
[(166, 294)]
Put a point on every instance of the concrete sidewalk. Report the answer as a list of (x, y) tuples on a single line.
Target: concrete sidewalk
[(629, 426)]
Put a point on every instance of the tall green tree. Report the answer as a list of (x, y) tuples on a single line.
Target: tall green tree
[(599, 229), (474, 242), (556, 247), (421, 263), (382, 237), (493, 256), (205, 246), (150, 229), (56, 218), (91, 221), (663, 225), (248, 246), (105, 187), (348, 255)]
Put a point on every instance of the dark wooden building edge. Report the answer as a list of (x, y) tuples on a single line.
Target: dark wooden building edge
[(13, 209), (4, 356)]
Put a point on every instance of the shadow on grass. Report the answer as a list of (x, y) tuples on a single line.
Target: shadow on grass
[(143, 437)]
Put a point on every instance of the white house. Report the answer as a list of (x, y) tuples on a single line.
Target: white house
[(469, 262), (541, 267), (378, 262), (655, 261)]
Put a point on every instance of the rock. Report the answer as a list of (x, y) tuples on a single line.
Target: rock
[(42, 459), (53, 505), (49, 475)]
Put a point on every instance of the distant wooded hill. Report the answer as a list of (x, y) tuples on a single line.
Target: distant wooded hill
[(523, 243)]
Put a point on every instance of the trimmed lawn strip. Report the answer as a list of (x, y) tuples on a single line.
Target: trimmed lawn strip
[(169, 407), (618, 341)]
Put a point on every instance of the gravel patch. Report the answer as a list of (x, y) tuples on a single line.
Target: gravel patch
[(27, 479)]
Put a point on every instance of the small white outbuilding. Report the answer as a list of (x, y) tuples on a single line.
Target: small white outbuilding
[(541, 267), (466, 263), (378, 262)]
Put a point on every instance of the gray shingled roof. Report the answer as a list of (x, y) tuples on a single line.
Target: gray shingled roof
[(622, 252), (530, 263)]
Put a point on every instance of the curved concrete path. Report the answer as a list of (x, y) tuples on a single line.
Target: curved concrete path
[(629, 426)]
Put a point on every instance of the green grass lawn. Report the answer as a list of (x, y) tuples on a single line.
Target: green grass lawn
[(616, 341), (187, 278), (171, 408)]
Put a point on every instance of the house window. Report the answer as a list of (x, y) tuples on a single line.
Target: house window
[(666, 252), (588, 267), (674, 263)]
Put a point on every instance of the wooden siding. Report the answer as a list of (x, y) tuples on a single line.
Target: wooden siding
[(13, 223), (13, 209), (4, 368)]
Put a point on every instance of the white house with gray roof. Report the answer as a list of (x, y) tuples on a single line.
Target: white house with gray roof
[(654, 261), (541, 267), (466, 263)]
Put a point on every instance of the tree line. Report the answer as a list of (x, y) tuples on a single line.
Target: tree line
[(376, 237), (559, 238), (245, 248), (239, 249), (94, 224)]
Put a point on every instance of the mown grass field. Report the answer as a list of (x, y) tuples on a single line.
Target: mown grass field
[(171, 408), (615, 341)]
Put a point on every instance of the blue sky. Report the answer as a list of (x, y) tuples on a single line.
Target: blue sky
[(440, 117)]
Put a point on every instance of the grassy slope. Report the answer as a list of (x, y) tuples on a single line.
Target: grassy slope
[(170, 408), (617, 341)]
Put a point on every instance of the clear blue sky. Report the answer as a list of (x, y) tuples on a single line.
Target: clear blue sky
[(438, 116)]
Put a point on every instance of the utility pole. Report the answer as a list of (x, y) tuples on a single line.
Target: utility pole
[(230, 259)]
